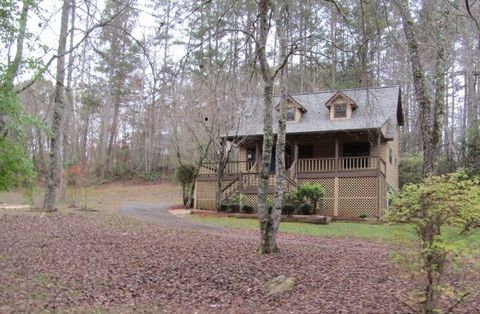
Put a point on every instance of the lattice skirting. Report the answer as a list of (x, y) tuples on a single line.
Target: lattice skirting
[(205, 194), (356, 196)]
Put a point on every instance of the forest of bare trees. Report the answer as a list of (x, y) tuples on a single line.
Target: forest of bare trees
[(129, 88)]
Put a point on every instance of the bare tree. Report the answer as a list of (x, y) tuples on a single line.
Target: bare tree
[(55, 164), (270, 219)]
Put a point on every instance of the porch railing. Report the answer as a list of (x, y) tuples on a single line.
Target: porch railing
[(303, 165), (357, 163), (251, 179), (315, 165), (232, 167), (340, 164)]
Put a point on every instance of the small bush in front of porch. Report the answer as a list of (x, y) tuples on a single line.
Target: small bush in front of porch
[(247, 209), (288, 209), (305, 209), (310, 192), (363, 215), (223, 208), (233, 208)]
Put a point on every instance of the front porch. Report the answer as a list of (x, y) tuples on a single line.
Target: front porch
[(312, 156), (349, 166)]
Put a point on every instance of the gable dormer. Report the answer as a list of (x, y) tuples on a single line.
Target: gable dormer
[(340, 106), (295, 110)]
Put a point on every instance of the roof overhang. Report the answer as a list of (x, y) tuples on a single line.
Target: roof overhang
[(293, 101)]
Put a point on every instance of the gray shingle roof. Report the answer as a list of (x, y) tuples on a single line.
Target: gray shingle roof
[(375, 107)]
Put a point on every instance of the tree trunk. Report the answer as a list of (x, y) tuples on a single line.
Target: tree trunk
[(282, 24), (267, 233), (421, 93), (440, 74), (55, 167)]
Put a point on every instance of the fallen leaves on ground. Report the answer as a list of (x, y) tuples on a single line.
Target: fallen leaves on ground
[(79, 262)]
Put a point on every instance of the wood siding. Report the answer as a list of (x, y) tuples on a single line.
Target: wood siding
[(350, 192)]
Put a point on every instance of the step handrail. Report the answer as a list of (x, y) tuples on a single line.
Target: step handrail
[(230, 184)]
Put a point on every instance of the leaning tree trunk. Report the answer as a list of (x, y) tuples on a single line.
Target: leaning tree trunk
[(55, 162), (267, 232), (281, 22), (421, 93)]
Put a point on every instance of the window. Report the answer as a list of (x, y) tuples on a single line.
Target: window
[(305, 151), (250, 153), (290, 114), (340, 111)]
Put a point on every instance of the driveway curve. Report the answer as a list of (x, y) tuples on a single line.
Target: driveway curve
[(158, 212)]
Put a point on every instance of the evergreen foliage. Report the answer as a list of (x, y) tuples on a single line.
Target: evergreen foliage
[(311, 192), (184, 175)]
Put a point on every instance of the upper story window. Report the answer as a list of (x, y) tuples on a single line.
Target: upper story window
[(294, 110), (291, 114), (340, 111), (340, 106)]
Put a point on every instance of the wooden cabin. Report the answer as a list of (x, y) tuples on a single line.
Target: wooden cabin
[(346, 140)]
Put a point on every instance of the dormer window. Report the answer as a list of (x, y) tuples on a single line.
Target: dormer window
[(340, 106), (290, 114), (295, 110), (340, 111)]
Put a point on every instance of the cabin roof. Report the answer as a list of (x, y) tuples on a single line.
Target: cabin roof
[(376, 107)]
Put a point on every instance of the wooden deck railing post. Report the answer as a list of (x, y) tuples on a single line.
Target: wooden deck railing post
[(379, 157), (336, 191), (336, 156)]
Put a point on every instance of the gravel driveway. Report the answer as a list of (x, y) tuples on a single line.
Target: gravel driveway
[(158, 212)]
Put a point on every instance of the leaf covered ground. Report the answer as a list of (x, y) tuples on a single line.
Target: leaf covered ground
[(108, 263)]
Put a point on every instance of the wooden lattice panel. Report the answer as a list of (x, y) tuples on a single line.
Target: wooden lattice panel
[(358, 187), (206, 204), (205, 193), (251, 199), (358, 195), (327, 207), (353, 207)]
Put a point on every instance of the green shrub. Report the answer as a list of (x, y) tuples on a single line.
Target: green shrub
[(184, 174), (443, 211), (223, 208), (248, 209), (362, 215), (410, 169), (305, 209), (233, 208), (288, 209), (311, 192), (150, 177)]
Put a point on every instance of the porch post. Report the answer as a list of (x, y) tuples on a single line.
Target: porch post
[(379, 160), (379, 157), (257, 157), (336, 154), (295, 150), (336, 184)]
